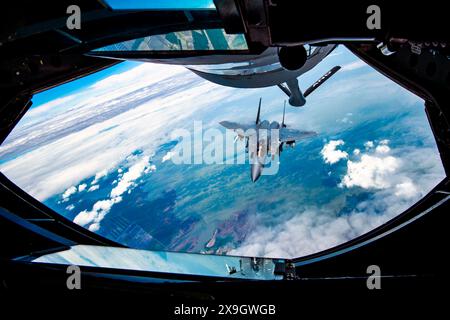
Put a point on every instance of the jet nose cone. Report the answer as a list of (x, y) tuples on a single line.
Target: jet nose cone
[(256, 169)]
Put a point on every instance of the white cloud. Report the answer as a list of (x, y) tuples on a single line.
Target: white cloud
[(396, 185), (99, 175), (406, 189), (140, 76), (94, 227), (370, 172), (382, 148), (70, 207), (98, 212), (330, 154), (353, 65), (95, 150), (93, 188), (368, 144), (133, 173), (82, 187), (68, 111), (45, 108), (85, 217), (308, 232), (377, 170), (167, 156), (69, 191), (346, 120), (356, 152), (91, 219), (150, 168)]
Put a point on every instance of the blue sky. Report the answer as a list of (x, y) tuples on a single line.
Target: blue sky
[(79, 85), (160, 4)]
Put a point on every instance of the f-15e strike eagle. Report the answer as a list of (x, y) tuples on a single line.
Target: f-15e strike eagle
[(260, 140)]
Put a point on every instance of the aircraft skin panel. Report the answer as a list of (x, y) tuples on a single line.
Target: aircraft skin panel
[(235, 126), (295, 135), (265, 79)]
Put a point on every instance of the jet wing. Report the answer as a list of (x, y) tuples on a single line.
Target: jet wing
[(236, 126), (295, 135)]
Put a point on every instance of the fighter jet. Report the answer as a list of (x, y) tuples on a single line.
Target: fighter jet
[(259, 139)]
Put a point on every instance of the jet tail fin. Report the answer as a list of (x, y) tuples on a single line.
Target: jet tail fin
[(259, 111), (319, 82)]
